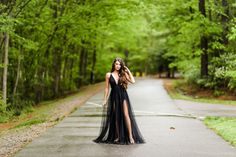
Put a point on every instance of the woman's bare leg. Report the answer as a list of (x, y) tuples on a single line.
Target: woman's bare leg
[(117, 132), (117, 127), (127, 121)]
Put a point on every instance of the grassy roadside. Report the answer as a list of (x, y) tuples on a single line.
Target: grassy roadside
[(223, 126), (172, 87), (19, 131), (51, 111)]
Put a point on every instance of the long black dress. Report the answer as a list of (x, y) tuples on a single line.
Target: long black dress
[(113, 122)]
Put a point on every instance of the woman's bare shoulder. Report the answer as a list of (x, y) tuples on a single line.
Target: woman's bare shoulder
[(108, 75)]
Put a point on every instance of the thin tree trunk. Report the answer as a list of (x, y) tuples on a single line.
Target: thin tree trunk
[(93, 66), (17, 76), (204, 57), (1, 56), (71, 72), (203, 44), (82, 66), (168, 74), (55, 54), (224, 21), (57, 71), (59, 8), (85, 63), (6, 48)]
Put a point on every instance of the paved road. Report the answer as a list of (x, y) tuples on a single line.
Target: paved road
[(205, 109), (168, 129)]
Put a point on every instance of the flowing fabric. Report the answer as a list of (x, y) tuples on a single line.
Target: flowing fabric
[(114, 121)]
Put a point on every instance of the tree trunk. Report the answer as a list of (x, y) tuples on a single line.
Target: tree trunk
[(71, 72), (93, 66), (57, 71), (85, 64), (203, 44), (17, 76), (6, 48), (81, 63), (82, 66), (1, 56), (204, 57), (224, 21), (56, 52)]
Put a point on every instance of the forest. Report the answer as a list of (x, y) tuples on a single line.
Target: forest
[(51, 48)]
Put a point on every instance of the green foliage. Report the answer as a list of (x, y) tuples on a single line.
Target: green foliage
[(4, 113), (185, 26), (222, 72), (190, 70), (231, 75), (22, 106), (2, 105), (58, 46)]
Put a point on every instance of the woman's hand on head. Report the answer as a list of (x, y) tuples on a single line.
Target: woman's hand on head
[(126, 69)]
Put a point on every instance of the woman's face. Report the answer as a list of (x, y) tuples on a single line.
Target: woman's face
[(117, 65)]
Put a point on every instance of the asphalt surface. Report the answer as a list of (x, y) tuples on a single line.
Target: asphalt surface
[(170, 128), (205, 109)]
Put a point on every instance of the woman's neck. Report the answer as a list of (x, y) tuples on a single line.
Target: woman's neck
[(116, 72)]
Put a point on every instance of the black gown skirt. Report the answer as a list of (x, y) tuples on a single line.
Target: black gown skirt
[(114, 120)]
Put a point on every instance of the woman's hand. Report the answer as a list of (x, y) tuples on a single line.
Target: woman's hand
[(104, 104), (126, 69), (129, 75)]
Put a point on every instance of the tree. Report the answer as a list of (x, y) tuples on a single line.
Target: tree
[(203, 44), (6, 47)]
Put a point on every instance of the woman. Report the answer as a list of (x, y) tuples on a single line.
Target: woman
[(118, 124)]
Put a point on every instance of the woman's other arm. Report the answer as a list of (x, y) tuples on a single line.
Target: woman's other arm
[(106, 88), (129, 75)]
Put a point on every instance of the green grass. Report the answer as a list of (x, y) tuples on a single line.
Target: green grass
[(30, 122), (175, 93), (223, 126), (4, 118)]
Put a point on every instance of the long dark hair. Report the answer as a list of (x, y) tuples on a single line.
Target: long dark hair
[(122, 78)]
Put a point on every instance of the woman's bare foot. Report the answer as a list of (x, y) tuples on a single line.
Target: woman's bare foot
[(116, 140), (131, 140)]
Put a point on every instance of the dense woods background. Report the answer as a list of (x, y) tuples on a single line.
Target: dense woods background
[(50, 48)]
